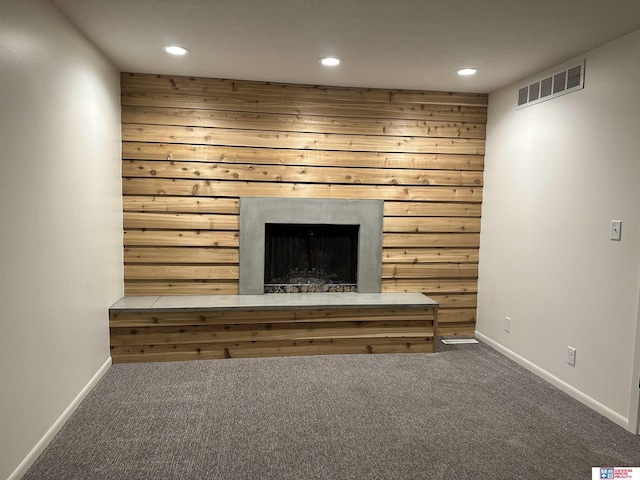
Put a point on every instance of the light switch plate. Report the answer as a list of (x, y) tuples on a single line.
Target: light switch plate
[(616, 230), (571, 356)]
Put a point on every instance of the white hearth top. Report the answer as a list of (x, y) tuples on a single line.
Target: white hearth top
[(271, 301)]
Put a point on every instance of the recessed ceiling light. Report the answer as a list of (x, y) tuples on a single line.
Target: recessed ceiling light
[(176, 50), (467, 71), (330, 61)]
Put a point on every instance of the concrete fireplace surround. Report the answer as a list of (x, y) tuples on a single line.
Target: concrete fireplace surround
[(255, 212)]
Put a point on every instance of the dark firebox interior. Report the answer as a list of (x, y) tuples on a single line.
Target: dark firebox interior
[(311, 254)]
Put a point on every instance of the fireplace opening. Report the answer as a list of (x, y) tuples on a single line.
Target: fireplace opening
[(310, 258)]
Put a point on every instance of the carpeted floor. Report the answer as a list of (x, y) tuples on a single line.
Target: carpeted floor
[(463, 413)]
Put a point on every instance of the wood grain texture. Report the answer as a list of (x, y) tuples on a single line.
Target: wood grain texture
[(133, 203), (302, 174), (180, 221), (300, 123), (243, 88), (221, 188), (430, 255), (469, 300), (193, 146), (208, 351), (180, 272), (431, 225), (180, 287), (289, 156), (251, 316), (431, 209), (423, 240), (429, 270), (449, 113), (148, 335), (303, 141), (180, 255), (430, 286), (268, 331), (181, 238)]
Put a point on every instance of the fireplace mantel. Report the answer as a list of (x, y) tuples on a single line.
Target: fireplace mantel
[(255, 212)]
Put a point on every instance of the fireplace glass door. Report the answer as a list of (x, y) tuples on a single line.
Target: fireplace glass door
[(310, 258)]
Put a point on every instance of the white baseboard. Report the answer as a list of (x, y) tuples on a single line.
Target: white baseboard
[(556, 382), (58, 424)]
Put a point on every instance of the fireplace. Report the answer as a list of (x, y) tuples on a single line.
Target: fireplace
[(310, 258), (295, 245)]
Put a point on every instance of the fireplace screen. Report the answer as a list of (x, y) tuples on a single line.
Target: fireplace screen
[(310, 258)]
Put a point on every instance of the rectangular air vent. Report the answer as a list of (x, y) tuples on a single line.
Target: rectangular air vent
[(566, 81)]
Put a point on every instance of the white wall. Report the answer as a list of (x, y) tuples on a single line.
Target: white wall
[(634, 413), (60, 219), (556, 174)]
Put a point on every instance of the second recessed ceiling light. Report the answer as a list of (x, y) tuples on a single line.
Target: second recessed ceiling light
[(330, 61), (176, 50)]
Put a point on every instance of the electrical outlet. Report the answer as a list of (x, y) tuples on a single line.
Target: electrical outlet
[(507, 324), (571, 356)]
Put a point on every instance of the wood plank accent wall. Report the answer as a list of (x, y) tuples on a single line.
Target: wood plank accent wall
[(193, 146)]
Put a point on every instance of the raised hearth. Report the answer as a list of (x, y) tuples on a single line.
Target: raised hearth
[(168, 328)]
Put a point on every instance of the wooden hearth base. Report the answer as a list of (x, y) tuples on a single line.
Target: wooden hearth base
[(169, 328)]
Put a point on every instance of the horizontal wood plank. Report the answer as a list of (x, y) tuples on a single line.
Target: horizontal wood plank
[(431, 209), (430, 287), (212, 86), (430, 255), (300, 123), (181, 221), (429, 270), (425, 240), (180, 272), (161, 203), (218, 188), (252, 316), (268, 332), (465, 300), (431, 225), (295, 140), (266, 156), (179, 238), (181, 255), (256, 104), (164, 203), (176, 287), (275, 173), (457, 315), (159, 353)]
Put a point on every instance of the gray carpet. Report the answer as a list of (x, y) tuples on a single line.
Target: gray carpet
[(464, 413)]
